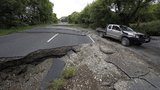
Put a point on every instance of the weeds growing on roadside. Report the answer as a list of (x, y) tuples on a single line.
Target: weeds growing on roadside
[(58, 84)]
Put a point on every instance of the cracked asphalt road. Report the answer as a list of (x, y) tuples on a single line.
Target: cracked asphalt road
[(142, 71), (22, 43), (149, 51)]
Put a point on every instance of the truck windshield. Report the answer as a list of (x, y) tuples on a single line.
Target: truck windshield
[(125, 28)]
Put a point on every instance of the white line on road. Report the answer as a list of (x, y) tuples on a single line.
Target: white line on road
[(52, 38), (91, 39)]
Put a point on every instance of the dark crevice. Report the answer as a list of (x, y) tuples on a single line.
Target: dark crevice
[(148, 82), (139, 77), (35, 57), (120, 69)]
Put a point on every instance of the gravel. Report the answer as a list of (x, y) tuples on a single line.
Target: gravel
[(24, 77), (113, 66)]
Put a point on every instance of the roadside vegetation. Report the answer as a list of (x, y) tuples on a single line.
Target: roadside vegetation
[(103, 12), (58, 84), (6, 31), (151, 28), (19, 13)]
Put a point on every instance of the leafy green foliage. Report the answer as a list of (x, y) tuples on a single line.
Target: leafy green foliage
[(15, 13), (149, 13), (151, 28), (126, 10), (155, 9), (102, 12), (54, 18), (73, 18)]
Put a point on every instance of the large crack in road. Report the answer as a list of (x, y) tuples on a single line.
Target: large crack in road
[(26, 57), (32, 69)]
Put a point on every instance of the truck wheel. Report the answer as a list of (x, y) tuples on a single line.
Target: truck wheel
[(125, 41), (101, 34)]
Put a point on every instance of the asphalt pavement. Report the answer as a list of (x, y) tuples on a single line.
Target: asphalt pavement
[(22, 43), (150, 51), (53, 73)]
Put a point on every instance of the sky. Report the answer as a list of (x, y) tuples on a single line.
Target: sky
[(66, 7)]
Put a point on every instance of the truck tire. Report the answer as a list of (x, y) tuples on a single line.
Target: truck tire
[(101, 34), (125, 41)]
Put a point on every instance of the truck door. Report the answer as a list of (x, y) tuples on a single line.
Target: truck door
[(109, 31), (116, 32)]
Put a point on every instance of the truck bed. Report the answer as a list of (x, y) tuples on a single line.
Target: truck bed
[(100, 30)]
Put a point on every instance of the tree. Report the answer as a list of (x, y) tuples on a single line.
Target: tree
[(73, 18), (85, 15), (15, 13), (102, 12), (126, 10), (11, 12), (54, 18), (155, 9)]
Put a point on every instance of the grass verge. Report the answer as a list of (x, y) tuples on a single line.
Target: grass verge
[(58, 84), (14, 30)]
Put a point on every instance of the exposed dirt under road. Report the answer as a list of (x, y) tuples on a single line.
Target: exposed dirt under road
[(28, 72)]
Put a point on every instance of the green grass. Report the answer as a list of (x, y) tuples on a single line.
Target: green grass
[(68, 72), (14, 30), (58, 84)]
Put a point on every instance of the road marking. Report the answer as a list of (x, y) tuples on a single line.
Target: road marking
[(52, 38), (91, 39)]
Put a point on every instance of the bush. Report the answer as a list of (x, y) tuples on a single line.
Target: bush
[(68, 72), (151, 28)]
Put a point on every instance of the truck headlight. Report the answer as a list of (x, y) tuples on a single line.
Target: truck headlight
[(136, 36)]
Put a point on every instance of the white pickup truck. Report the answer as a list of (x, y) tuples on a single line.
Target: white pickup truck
[(125, 34)]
